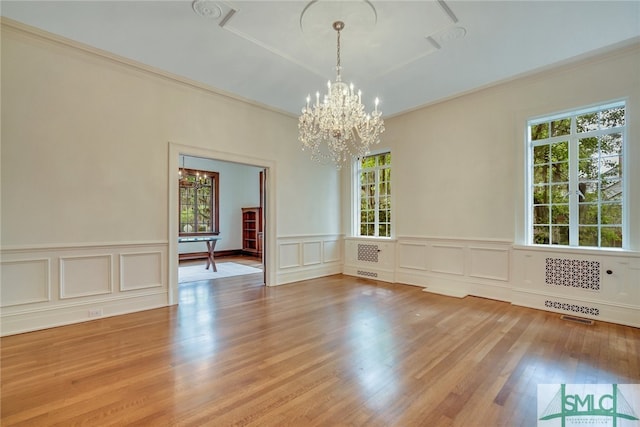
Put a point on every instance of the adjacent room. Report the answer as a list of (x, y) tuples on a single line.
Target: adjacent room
[(320, 213), (220, 231)]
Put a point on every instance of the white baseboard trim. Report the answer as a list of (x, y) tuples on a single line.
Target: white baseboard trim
[(597, 310), (34, 319), (368, 272), (285, 276), (434, 284)]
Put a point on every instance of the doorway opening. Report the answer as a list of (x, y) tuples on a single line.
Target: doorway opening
[(234, 232), (220, 224)]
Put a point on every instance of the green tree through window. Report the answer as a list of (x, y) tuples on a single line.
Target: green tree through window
[(374, 195), (576, 178), (198, 202)]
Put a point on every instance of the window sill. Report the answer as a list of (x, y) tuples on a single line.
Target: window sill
[(372, 239), (578, 250)]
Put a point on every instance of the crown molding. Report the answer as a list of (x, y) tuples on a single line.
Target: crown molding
[(19, 27)]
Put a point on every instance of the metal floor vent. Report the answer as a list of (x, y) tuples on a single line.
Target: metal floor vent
[(367, 273), (580, 320)]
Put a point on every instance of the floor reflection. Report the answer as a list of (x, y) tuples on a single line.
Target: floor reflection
[(374, 347)]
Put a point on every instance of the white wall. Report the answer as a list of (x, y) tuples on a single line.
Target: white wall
[(458, 169), (86, 153), (461, 161)]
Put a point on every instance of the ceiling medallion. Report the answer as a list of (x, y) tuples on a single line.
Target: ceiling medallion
[(207, 8)]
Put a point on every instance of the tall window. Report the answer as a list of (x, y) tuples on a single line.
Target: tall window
[(576, 178), (374, 201), (198, 202)]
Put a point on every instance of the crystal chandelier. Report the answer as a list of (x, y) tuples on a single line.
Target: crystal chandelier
[(338, 128)]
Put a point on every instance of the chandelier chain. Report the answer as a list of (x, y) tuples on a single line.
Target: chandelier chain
[(338, 57)]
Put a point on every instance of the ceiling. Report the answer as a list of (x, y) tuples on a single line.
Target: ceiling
[(407, 53)]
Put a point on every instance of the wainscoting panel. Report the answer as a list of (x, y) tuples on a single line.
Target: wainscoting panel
[(412, 256), (332, 251), (26, 281), (448, 259), (43, 287), (289, 255), (82, 276), (489, 263), (141, 270), (307, 257), (312, 253), (455, 267)]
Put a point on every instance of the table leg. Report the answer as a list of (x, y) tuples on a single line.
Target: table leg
[(210, 261)]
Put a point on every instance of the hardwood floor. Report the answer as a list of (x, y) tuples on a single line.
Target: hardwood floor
[(335, 351)]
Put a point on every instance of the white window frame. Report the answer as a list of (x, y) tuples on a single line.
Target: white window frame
[(573, 138), (355, 199)]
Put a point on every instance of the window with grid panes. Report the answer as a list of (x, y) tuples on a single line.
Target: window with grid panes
[(576, 178), (374, 200), (198, 202)]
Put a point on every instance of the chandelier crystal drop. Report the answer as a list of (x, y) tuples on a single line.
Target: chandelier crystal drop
[(337, 128)]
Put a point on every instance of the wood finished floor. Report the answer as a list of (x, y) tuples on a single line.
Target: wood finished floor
[(335, 351)]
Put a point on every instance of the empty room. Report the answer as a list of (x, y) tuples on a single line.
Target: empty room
[(431, 210)]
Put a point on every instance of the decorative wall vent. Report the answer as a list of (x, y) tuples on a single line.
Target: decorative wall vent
[(367, 253), (367, 273), (573, 273), (582, 309)]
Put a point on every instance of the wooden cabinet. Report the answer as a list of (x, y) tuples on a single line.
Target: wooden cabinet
[(252, 231)]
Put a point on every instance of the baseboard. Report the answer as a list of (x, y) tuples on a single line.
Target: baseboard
[(284, 277), (35, 319), (369, 272), (433, 284), (249, 253), (597, 310)]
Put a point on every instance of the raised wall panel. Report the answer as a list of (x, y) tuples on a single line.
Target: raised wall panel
[(289, 255), (350, 252), (331, 251), (447, 259), (82, 276), (25, 282), (59, 285), (387, 255), (489, 263), (412, 255), (140, 270), (312, 253), (308, 256)]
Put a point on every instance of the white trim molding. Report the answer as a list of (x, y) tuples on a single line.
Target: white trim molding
[(47, 286), (307, 257), (456, 267)]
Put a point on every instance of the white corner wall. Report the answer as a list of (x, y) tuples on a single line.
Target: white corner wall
[(458, 169), (85, 178)]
